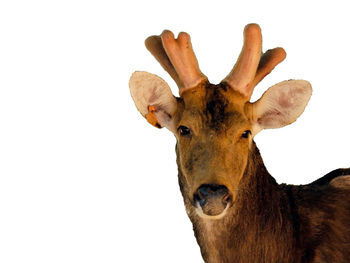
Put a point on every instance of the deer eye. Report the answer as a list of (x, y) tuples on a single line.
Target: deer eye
[(184, 130), (246, 133)]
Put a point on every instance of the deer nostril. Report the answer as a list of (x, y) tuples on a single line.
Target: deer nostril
[(202, 202), (204, 190), (226, 199), (209, 192), (212, 189)]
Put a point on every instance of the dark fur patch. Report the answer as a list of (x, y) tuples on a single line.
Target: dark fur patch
[(216, 106), (330, 176)]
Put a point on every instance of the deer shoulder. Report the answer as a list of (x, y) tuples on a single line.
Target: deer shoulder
[(339, 178)]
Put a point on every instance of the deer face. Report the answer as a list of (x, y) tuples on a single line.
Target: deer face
[(213, 138), (215, 124)]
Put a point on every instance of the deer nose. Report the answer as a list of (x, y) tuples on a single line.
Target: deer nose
[(207, 192)]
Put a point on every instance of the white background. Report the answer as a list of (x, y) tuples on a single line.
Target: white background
[(83, 177)]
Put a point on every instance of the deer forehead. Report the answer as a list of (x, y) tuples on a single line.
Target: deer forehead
[(214, 108)]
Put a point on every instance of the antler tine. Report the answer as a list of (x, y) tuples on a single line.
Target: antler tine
[(269, 60), (155, 46), (243, 73), (183, 59)]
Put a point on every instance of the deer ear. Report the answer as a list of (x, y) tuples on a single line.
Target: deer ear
[(281, 104), (153, 99)]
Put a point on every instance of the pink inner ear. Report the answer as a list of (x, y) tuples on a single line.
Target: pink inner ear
[(152, 96), (287, 99), (283, 103), (269, 118)]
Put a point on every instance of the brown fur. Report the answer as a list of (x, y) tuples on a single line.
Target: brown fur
[(267, 222), (276, 223)]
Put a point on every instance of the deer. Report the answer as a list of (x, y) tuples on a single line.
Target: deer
[(238, 210)]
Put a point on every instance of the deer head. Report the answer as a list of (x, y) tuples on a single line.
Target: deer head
[(215, 124)]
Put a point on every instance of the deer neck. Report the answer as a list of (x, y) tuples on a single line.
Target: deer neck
[(256, 225)]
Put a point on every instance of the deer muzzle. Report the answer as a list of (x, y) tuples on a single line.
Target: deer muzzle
[(212, 199)]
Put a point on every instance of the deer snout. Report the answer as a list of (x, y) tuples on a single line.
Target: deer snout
[(213, 199)]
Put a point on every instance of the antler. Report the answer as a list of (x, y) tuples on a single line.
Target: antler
[(251, 66), (268, 61), (177, 57), (155, 46)]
